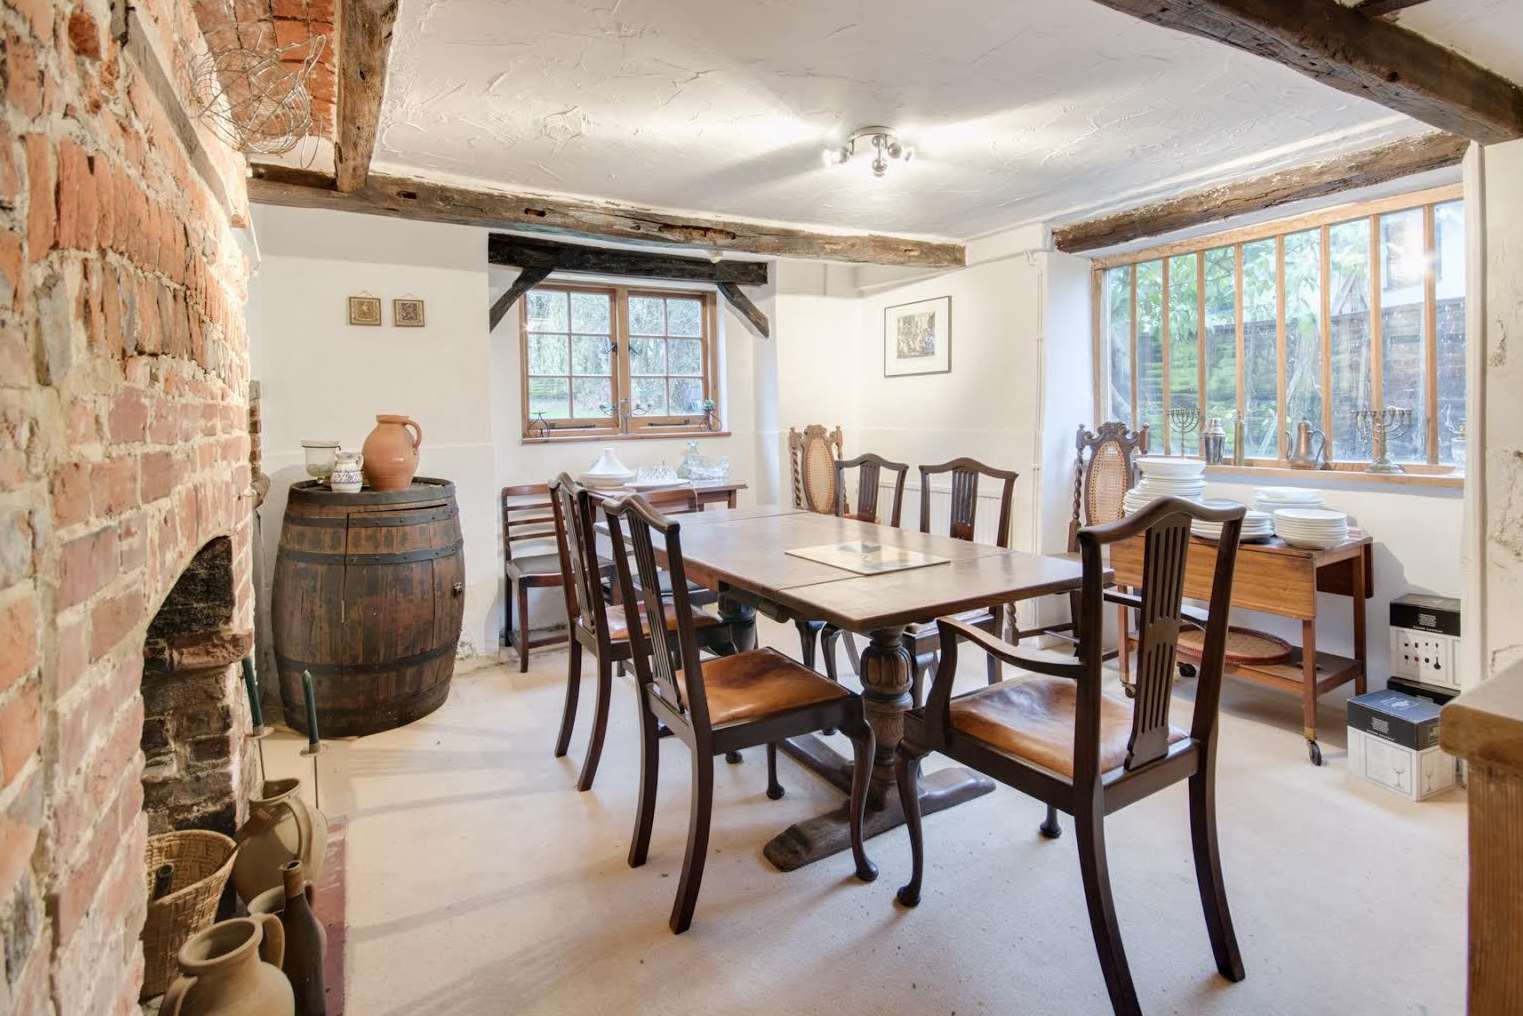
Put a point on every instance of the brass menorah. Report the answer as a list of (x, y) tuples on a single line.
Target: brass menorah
[(1184, 420), (1379, 426)]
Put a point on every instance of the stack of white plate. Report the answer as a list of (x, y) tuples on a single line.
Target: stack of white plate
[(1165, 477), (1313, 528), (1256, 525), (1272, 499)]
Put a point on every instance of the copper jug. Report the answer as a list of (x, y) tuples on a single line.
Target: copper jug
[(1302, 455)]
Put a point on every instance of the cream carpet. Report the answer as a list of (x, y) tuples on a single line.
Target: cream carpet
[(480, 881)]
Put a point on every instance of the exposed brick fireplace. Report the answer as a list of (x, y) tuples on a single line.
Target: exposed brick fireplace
[(194, 774), (124, 484)]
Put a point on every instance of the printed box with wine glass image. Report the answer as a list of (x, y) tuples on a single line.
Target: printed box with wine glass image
[(1393, 742)]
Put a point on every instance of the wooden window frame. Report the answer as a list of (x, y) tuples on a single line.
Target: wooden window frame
[(1370, 211), (623, 423)]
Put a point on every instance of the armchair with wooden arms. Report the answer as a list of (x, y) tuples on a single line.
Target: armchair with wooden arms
[(1058, 737)]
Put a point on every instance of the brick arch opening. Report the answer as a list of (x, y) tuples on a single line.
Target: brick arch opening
[(191, 775)]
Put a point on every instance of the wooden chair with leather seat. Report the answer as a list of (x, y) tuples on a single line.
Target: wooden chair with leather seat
[(531, 560), (812, 458), (595, 625), (673, 501), (1061, 739), (923, 640), (718, 705), (870, 469), (1105, 468)]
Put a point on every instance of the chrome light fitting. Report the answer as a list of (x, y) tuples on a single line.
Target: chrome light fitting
[(885, 145)]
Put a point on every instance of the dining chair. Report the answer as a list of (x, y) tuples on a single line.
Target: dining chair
[(718, 705), (531, 560), (1105, 468), (1060, 738), (673, 501), (812, 458), (595, 625), (923, 640), (870, 469)]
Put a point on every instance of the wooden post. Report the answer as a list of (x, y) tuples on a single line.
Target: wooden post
[(1484, 726)]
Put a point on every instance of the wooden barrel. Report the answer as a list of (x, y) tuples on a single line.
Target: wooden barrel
[(368, 595)]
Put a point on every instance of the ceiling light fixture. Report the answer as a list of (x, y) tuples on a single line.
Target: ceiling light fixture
[(885, 145)]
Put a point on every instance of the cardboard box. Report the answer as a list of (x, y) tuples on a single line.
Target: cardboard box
[(1393, 742), (1401, 719)]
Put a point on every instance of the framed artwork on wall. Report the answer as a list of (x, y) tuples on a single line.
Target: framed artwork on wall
[(407, 313), (917, 338), (365, 310)]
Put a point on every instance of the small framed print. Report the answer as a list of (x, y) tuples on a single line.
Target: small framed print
[(407, 313), (917, 338), (365, 310)]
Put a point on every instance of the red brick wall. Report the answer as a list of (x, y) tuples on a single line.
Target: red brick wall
[(123, 450)]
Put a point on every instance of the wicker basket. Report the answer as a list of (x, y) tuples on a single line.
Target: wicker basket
[(1245, 646), (202, 862)]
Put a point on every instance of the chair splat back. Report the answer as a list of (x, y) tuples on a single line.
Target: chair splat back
[(634, 529), (964, 488), (811, 459), (1101, 483), (1164, 527), (870, 469), (573, 519)]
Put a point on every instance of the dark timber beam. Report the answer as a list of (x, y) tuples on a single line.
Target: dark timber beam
[(364, 46), (538, 258), (1329, 176), (522, 251), (1377, 8), (1348, 50), (405, 198), (527, 279)]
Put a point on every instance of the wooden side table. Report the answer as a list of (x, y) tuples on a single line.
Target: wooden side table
[(1279, 579), (1484, 726)]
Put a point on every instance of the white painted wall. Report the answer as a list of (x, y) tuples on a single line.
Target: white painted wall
[(322, 378)]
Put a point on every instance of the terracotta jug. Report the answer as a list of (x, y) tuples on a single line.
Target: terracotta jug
[(281, 827), (391, 453), (232, 969)]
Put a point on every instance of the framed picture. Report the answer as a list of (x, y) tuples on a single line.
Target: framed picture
[(407, 313), (365, 310), (917, 338)]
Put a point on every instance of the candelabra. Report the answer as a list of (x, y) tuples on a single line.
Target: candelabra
[(1379, 426), (1185, 420)]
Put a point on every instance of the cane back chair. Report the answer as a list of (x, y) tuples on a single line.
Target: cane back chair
[(1061, 739), (715, 706), (812, 458)]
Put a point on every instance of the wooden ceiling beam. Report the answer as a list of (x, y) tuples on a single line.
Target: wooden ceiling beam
[(364, 49), (1347, 49), (1380, 8), (1332, 175), (402, 197)]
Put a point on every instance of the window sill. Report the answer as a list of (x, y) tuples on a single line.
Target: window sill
[(644, 435), (1340, 477)]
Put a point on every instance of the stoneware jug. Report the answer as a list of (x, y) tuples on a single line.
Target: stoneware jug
[(281, 827), (232, 969), (347, 476), (391, 452)]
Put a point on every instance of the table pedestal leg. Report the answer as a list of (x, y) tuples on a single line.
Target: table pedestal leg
[(741, 619), (885, 698)]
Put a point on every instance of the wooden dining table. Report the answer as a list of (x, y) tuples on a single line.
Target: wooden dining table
[(743, 554)]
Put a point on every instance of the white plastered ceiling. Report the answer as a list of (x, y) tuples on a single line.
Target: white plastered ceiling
[(1019, 111)]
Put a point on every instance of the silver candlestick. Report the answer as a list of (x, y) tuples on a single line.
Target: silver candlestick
[(1379, 426)]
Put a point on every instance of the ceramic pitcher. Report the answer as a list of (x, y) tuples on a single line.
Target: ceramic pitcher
[(391, 452), (347, 476), (281, 827), (232, 969)]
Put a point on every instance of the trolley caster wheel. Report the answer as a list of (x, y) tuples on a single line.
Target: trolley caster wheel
[(733, 757), (1314, 752), (776, 792), (1187, 670), (1130, 689)]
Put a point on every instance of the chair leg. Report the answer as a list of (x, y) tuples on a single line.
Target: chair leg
[(1208, 873), (1089, 828), (697, 844), (990, 663), (829, 637), (774, 788), (573, 687), (507, 610), (599, 726), (851, 653), (907, 769), (523, 628), (862, 746), (1049, 827), (650, 767)]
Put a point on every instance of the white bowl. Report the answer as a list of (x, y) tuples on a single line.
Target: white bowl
[(1171, 466)]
